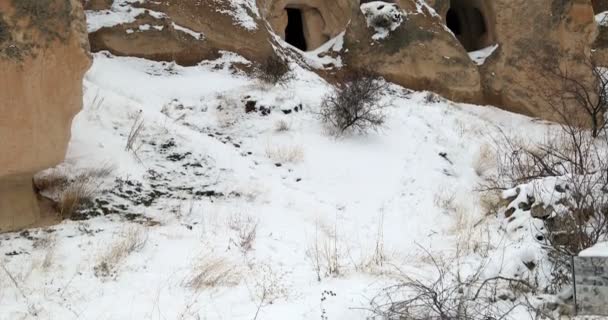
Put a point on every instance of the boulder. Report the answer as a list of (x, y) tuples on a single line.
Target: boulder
[(186, 32), (43, 58), (420, 53)]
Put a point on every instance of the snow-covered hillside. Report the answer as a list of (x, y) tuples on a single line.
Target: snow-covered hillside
[(219, 213)]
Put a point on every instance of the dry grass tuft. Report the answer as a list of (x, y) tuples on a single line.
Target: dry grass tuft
[(246, 228), (71, 193), (131, 240), (285, 154), (485, 160), (281, 126), (211, 272)]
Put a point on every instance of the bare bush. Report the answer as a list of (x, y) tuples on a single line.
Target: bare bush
[(325, 254), (71, 193), (133, 139), (269, 287), (285, 154), (355, 105), (210, 272), (448, 296), (274, 70), (246, 228), (281, 126), (131, 240), (579, 100)]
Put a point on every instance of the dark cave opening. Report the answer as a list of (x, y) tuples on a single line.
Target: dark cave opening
[(294, 32), (468, 23)]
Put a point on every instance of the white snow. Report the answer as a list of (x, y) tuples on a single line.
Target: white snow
[(244, 12), (372, 201), (384, 11), (480, 56), (194, 34), (326, 55), (599, 250), (602, 18), (121, 12)]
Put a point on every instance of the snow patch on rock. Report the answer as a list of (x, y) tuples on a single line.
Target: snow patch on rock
[(602, 18), (383, 17), (242, 11), (480, 56)]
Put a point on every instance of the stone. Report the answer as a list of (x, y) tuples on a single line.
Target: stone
[(189, 32), (43, 58), (420, 54)]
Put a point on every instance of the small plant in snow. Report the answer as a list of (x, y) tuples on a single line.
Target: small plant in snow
[(285, 154), (131, 240), (281, 126), (210, 272), (355, 105), (246, 228), (274, 70), (133, 141)]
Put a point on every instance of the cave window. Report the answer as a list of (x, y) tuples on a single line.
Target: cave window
[(468, 24), (294, 33)]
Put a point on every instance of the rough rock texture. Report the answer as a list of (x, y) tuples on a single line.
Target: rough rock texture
[(188, 32), (530, 41), (600, 5), (428, 51), (600, 47), (43, 58), (420, 54), (322, 19)]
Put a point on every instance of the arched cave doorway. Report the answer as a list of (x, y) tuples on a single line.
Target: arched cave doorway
[(468, 23), (294, 32), (305, 27)]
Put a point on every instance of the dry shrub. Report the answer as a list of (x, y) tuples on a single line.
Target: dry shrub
[(285, 154), (133, 139), (281, 126), (274, 70), (131, 240), (485, 160), (211, 272), (326, 253), (354, 106), (71, 193), (246, 228)]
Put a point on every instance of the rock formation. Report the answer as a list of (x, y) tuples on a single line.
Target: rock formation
[(43, 58), (429, 50), (531, 43), (185, 31), (421, 53)]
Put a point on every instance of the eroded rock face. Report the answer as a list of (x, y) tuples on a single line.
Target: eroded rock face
[(421, 53), (530, 42), (43, 58), (600, 47), (186, 32), (427, 51)]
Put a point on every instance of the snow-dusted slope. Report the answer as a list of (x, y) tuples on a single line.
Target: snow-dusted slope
[(363, 206)]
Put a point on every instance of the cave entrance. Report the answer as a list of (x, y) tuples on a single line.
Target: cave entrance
[(468, 23), (294, 32)]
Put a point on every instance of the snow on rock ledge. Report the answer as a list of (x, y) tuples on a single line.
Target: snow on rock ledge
[(383, 17), (599, 250)]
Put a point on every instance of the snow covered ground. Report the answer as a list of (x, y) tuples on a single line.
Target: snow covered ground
[(280, 218)]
